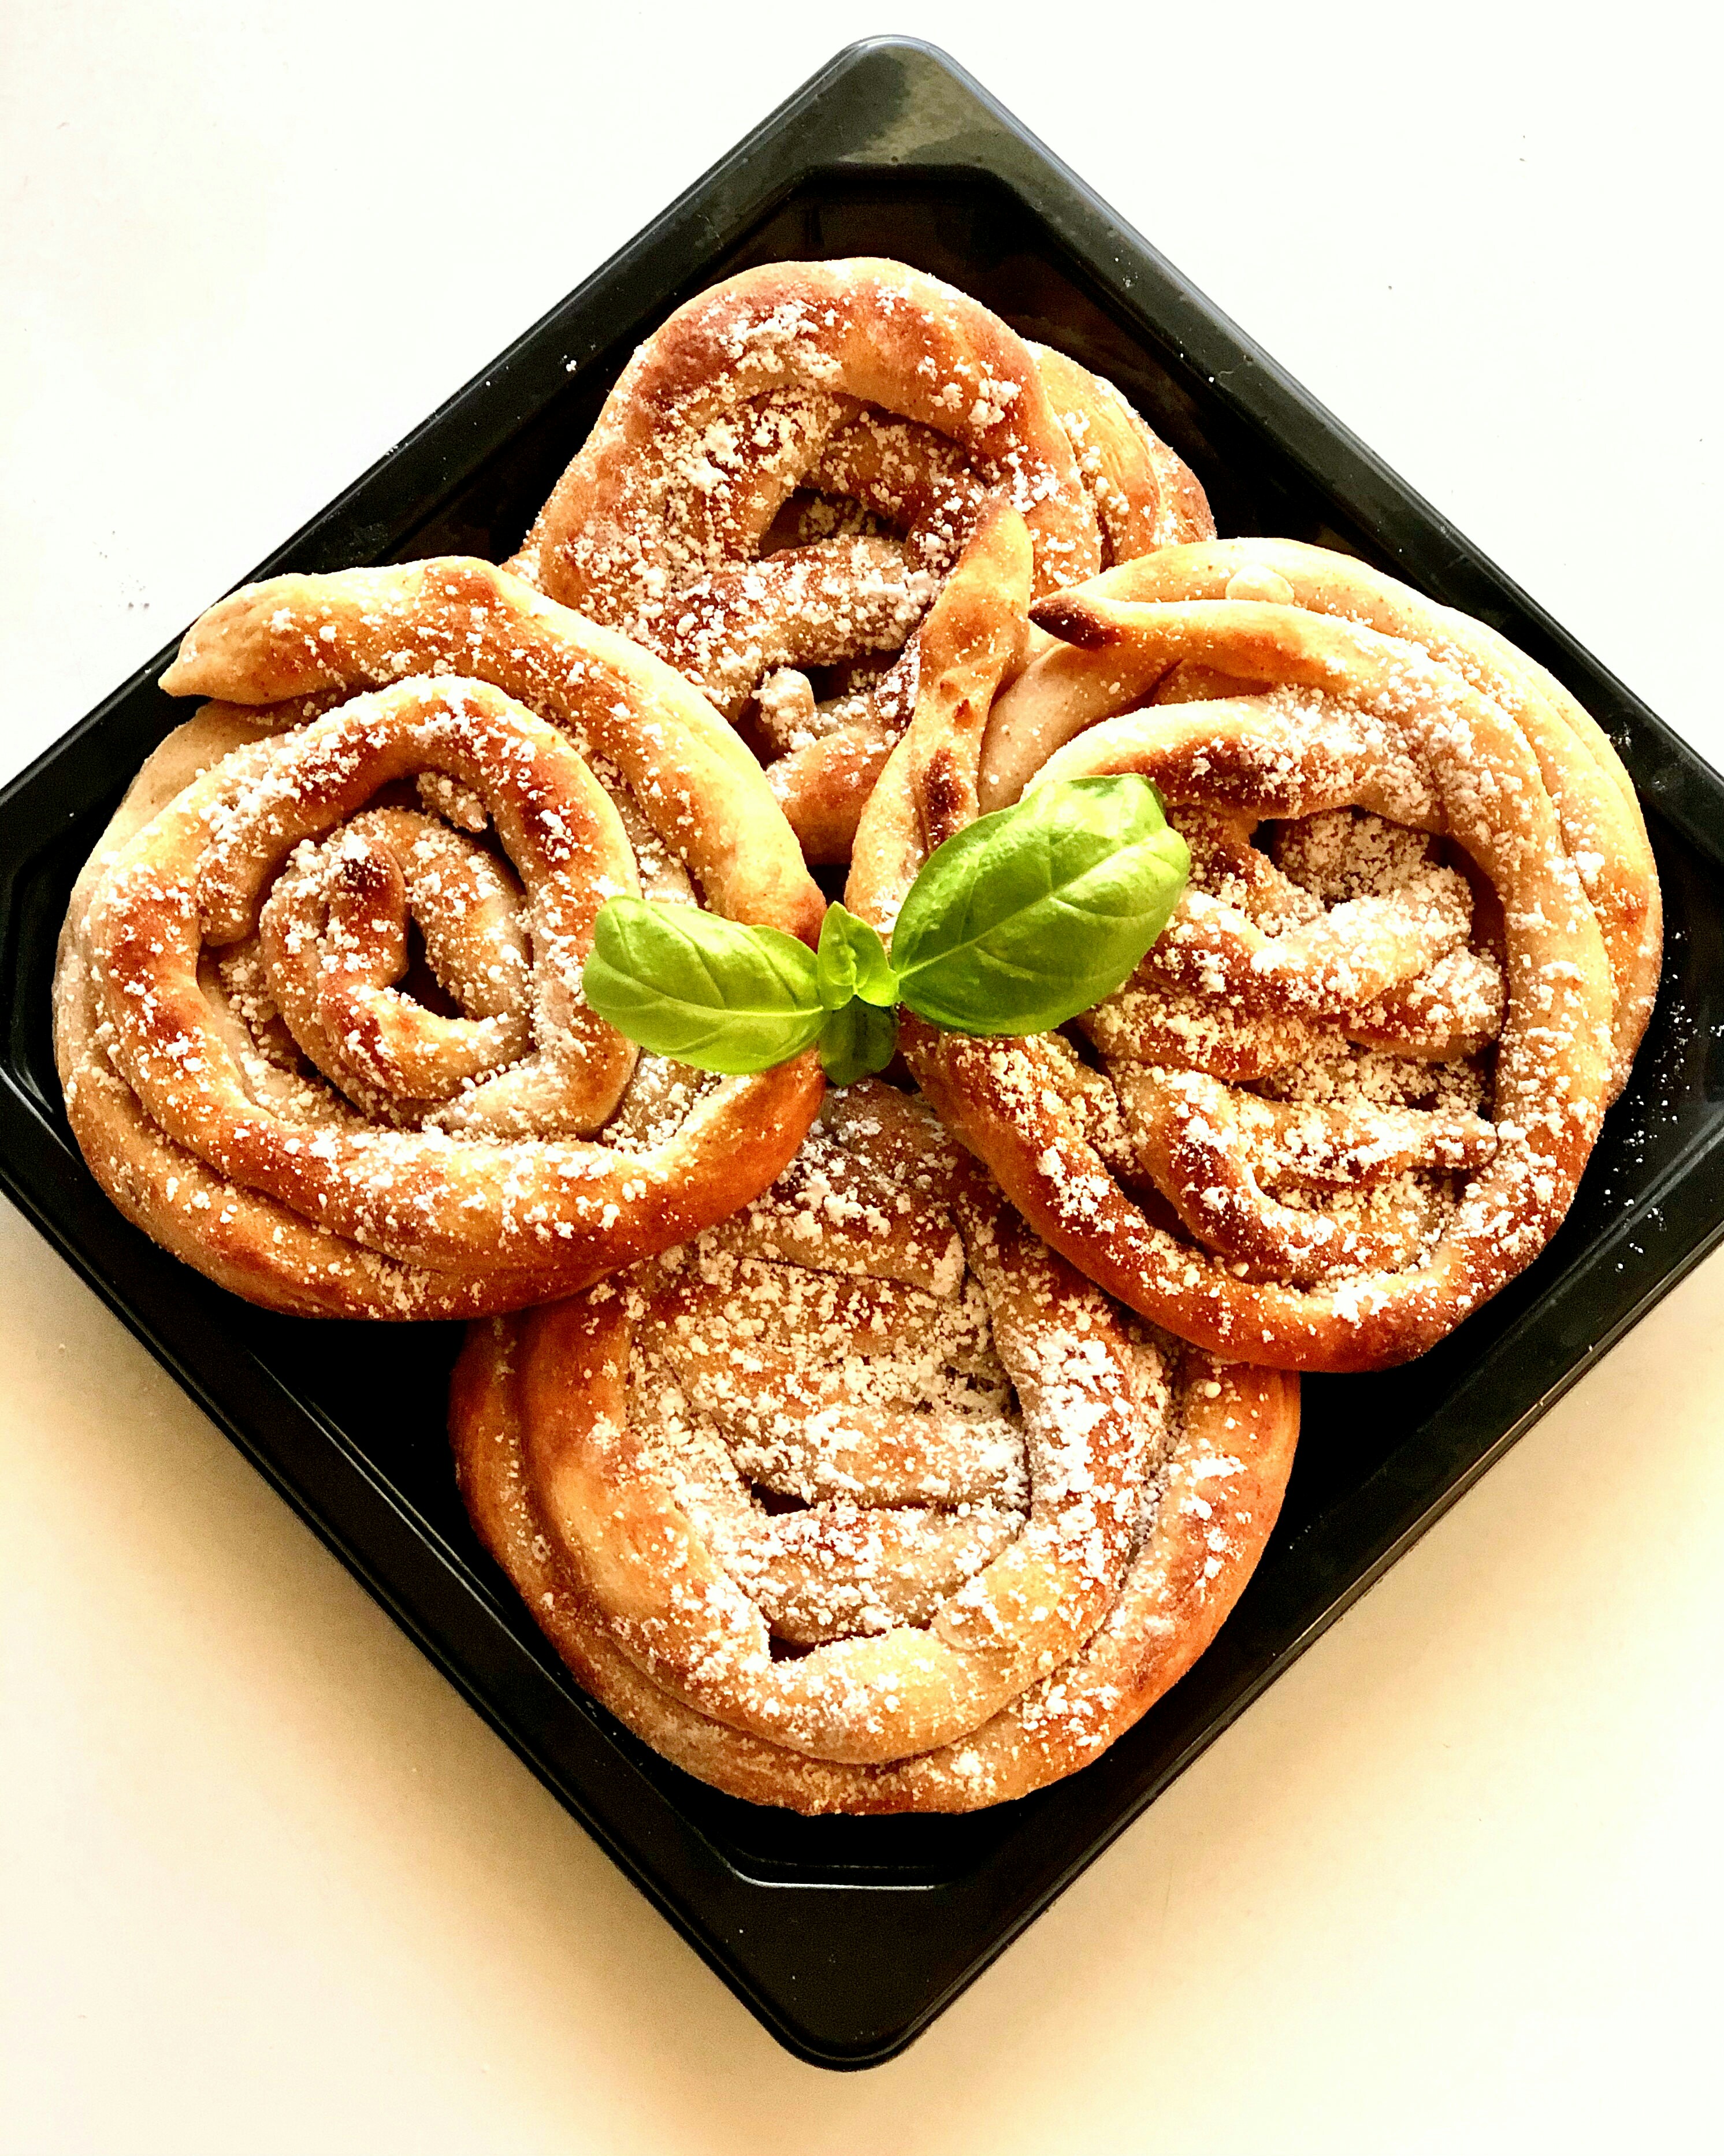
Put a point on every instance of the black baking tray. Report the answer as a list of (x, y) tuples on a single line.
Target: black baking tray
[(847, 1936)]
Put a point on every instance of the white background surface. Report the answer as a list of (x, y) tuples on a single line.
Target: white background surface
[(268, 1884)]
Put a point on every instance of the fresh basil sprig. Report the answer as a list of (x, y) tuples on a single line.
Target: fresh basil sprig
[(1023, 919)]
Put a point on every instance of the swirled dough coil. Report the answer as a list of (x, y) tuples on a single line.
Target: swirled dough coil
[(317, 1008), (1351, 1089), (865, 1501), (787, 470)]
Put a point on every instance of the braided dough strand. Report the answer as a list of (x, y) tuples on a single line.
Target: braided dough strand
[(1144, 496)]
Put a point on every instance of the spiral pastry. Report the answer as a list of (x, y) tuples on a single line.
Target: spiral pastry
[(318, 1014), (1352, 1087), (787, 470), (864, 1501), (1599, 817)]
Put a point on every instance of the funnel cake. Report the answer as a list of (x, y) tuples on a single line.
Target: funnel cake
[(317, 1010), (786, 470), (865, 1501), (1351, 1089)]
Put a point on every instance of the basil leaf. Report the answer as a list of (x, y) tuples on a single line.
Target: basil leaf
[(1031, 914), (701, 988), (854, 962), (857, 1039)]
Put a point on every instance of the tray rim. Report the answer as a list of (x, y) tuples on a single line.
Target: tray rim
[(81, 1224)]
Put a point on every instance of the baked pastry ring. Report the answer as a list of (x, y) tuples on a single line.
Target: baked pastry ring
[(245, 1072), (1351, 1089), (787, 469), (865, 1501)]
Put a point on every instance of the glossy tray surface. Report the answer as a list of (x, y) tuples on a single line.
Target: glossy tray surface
[(847, 1936)]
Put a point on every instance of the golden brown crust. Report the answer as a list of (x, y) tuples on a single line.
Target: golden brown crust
[(876, 409), (842, 335), (696, 784), (1603, 826), (970, 643), (1145, 495), (1328, 714), (1024, 1675), (243, 1076)]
